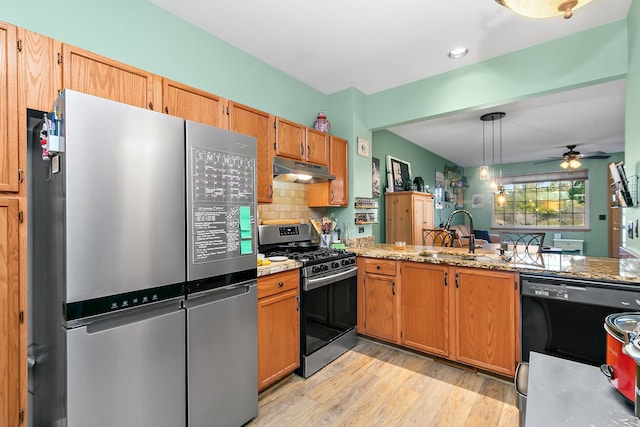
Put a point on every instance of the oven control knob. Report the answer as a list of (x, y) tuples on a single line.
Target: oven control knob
[(315, 269), (335, 264), (348, 261), (324, 267)]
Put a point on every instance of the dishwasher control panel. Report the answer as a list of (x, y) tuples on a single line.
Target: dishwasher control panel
[(550, 292), (586, 292)]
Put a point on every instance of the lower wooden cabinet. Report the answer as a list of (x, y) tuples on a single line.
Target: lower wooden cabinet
[(379, 298), (278, 326), (424, 308), (469, 315), (10, 386), (485, 327)]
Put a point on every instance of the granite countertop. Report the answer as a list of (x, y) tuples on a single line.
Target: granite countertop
[(276, 267), (597, 268)]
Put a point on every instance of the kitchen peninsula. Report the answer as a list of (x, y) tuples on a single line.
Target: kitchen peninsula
[(459, 306)]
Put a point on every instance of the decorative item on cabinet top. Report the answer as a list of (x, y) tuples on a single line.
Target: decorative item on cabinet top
[(321, 123)]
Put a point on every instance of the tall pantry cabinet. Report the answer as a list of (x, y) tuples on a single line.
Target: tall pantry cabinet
[(406, 214)]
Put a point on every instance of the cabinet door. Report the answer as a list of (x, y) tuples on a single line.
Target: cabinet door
[(423, 217), (485, 307), (87, 72), (278, 336), (258, 124), (380, 319), (317, 148), (193, 104), (8, 109), (290, 139), (334, 192), (39, 70), (424, 308), (9, 313)]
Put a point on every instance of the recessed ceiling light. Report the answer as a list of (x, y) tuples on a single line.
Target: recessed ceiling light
[(458, 52)]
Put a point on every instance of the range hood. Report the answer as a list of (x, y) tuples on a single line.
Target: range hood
[(298, 171)]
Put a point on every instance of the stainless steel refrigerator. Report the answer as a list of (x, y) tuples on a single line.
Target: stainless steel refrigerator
[(111, 262)]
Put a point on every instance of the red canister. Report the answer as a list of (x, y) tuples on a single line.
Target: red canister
[(620, 367)]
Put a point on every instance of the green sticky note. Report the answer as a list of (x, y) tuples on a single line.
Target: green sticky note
[(245, 247), (245, 219), (245, 234)]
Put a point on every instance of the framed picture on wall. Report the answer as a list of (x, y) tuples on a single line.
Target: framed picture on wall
[(400, 172)]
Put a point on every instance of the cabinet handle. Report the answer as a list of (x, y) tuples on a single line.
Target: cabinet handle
[(445, 278), (393, 288), (308, 151), (298, 303), (457, 280), (166, 109), (270, 191), (281, 284), (332, 195), (378, 267), (150, 105), (301, 150)]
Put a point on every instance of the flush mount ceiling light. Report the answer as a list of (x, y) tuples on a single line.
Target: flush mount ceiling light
[(543, 8), (458, 53)]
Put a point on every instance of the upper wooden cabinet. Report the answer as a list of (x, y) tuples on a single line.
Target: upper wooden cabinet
[(290, 139), (317, 147), (486, 321), (193, 104), (87, 72), (9, 152), (424, 307), (298, 142), (258, 124), (406, 214), (40, 71), (334, 192), (10, 390)]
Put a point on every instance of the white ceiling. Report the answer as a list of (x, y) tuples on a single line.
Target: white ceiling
[(375, 45)]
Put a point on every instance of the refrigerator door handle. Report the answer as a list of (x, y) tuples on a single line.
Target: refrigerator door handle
[(126, 317), (219, 294)]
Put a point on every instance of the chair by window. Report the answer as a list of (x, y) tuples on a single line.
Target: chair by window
[(439, 237), (523, 242)]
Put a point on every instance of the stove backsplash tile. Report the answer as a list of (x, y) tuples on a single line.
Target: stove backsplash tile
[(289, 202)]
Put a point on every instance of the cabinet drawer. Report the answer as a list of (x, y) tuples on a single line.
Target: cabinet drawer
[(380, 266), (279, 282)]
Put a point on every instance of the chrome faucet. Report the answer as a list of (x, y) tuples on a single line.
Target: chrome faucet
[(472, 238)]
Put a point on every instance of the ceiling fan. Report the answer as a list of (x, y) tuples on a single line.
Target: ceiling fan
[(571, 159)]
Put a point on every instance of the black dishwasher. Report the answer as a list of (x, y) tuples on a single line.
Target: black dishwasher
[(564, 317)]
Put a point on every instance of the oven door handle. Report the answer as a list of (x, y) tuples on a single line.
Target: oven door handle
[(311, 284)]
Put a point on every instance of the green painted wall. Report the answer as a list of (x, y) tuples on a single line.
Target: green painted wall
[(423, 163), (595, 240), (632, 112)]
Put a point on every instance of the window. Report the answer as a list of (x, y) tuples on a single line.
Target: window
[(547, 200)]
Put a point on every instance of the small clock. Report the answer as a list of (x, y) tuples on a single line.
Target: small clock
[(363, 147)]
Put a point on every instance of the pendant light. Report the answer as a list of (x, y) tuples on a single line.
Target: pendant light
[(543, 8), (484, 169), (493, 184)]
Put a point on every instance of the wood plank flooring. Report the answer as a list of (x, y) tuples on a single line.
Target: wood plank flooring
[(376, 385)]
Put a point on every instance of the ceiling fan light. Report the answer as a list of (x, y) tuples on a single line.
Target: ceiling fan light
[(574, 163), (484, 172), (543, 8), (564, 164)]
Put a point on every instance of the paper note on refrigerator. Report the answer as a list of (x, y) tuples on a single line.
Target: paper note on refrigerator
[(245, 247)]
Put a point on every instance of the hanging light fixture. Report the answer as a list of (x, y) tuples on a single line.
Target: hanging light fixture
[(493, 184), (484, 169), (571, 159), (543, 8)]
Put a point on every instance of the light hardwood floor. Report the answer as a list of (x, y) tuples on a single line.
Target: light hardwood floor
[(376, 385)]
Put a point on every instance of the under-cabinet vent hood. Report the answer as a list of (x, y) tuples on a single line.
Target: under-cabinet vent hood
[(297, 171)]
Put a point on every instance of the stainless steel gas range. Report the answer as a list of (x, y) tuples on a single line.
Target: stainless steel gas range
[(328, 308)]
